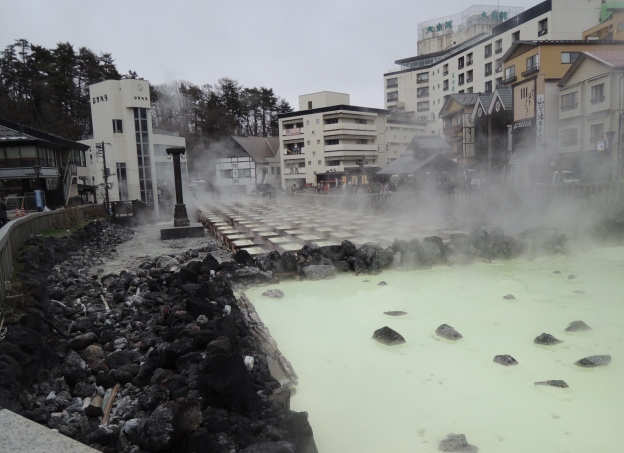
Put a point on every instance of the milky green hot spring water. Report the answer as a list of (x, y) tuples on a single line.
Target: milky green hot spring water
[(362, 396)]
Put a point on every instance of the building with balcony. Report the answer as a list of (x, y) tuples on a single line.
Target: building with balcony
[(330, 141), (611, 26), (591, 99), (463, 55), (137, 164), (31, 160), (533, 69), (458, 128)]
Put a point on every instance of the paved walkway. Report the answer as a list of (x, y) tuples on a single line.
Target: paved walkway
[(20, 435)]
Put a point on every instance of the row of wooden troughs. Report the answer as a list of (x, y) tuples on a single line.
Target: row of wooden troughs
[(263, 226)]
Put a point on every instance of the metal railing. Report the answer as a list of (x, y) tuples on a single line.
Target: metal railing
[(15, 234)]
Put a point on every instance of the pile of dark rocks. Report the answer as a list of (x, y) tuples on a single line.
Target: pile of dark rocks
[(159, 359)]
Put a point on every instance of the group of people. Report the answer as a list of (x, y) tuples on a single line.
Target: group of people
[(325, 188)]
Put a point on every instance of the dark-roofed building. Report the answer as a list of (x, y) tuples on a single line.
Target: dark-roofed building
[(31, 160), (591, 98), (247, 162), (492, 115), (458, 130)]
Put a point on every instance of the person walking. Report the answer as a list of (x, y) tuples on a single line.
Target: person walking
[(4, 216)]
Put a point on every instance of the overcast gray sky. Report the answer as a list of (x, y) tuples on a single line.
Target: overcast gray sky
[(294, 47)]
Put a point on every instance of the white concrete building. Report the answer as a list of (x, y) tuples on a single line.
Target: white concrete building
[(421, 83), (136, 158), (330, 141)]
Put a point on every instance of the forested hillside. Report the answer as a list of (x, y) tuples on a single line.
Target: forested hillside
[(49, 89)]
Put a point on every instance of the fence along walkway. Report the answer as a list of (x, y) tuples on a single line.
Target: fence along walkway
[(18, 231)]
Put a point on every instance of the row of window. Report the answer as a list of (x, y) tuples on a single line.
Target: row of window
[(29, 156), (570, 101), (244, 173), (295, 148), (569, 137)]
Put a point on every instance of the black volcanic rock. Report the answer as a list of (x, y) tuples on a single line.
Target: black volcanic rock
[(594, 361), (448, 332), (553, 383), (457, 443), (395, 313), (505, 360), (577, 326), (509, 297), (388, 336), (546, 339), (274, 293)]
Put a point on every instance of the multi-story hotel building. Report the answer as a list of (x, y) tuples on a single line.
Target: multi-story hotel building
[(136, 158), (462, 54), (330, 141)]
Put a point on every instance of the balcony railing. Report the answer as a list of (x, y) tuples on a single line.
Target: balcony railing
[(422, 95), (392, 84), (292, 131), (510, 78), (597, 100), (488, 73), (290, 152), (487, 54), (443, 73), (422, 81), (469, 79), (498, 50), (460, 65), (531, 70), (542, 32), (445, 88), (422, 109), (460, 83), (469, 63)]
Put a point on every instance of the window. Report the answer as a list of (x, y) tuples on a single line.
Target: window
[(244, 173), (469, 90), (469, 59), (488, 69), (309, 104), (332, 142), (422, 92), (331, 121), (597, 93), (568, 137), (445, 69), (392, 82), (498, 46), (309, 162), (488, 51), (461, 79), (532, 64), (596, 132), (542, 27), (488, 86), (445, 85), (510, 74), (469, 76), (393, 96), (361, 141), (515, 36), (333, 163), (569, 101), (318, 121), (569, 57), (117, 128), (308, 143), (460, 62), (226, 174), (422, 77), (319, 162), (499, 81), (360, 121), (307, 122), (422, 106), (318, 142)]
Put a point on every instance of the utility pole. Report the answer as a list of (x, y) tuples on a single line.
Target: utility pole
[(100, 146)]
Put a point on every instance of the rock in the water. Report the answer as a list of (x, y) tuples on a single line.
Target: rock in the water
[(395, 313), (509, 297), (457, 443), (274, 293), (505, 360), (319, 272), (594, 361), (577, 326), (388, 336), (449, 333), (554, 383), (546, 339), (381, 283)]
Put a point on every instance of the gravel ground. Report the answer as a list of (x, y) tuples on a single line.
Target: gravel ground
[(146, 242)]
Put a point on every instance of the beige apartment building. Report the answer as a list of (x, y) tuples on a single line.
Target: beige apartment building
[(446, 64), (591, 99), (329, 141)]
